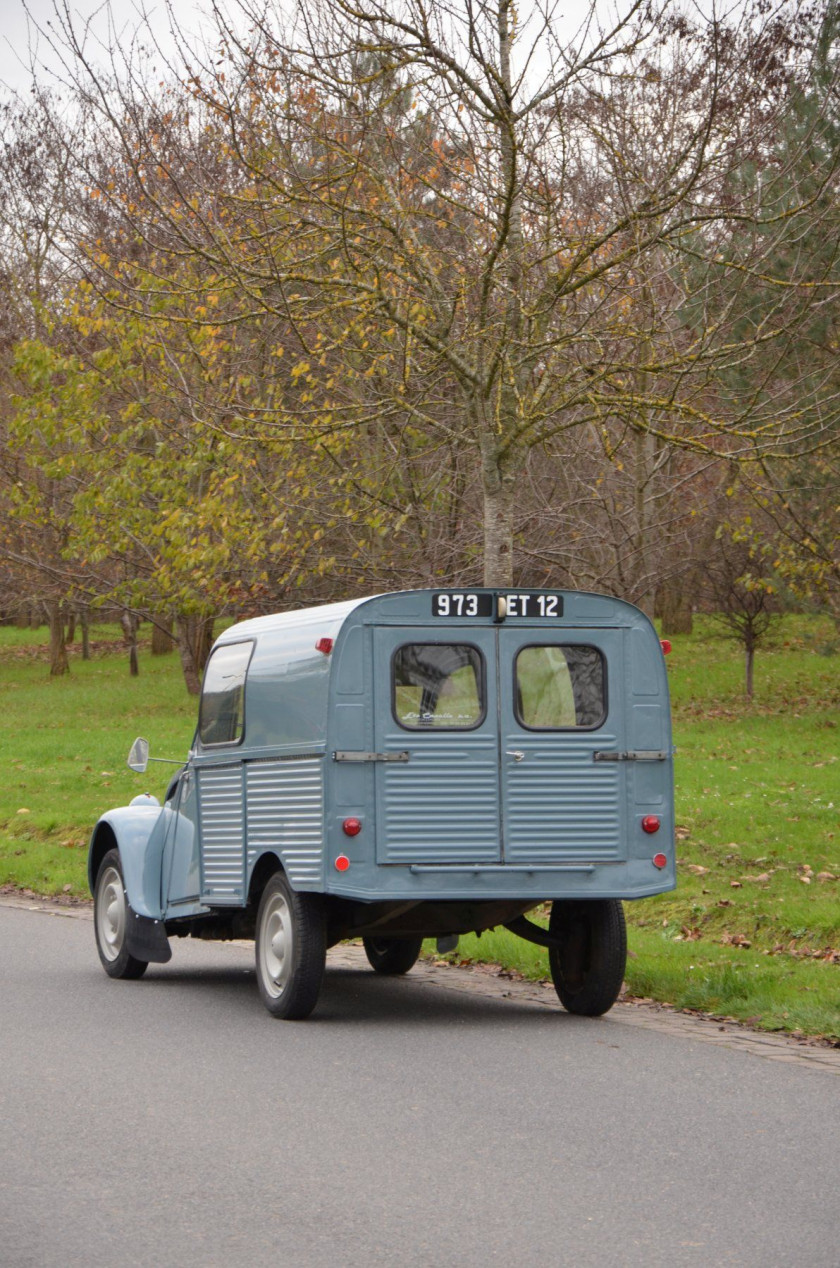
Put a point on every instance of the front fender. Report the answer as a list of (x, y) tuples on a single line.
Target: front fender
[(139, 833)]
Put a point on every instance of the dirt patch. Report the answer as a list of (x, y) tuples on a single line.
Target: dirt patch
[(29, 898), (98, 648)]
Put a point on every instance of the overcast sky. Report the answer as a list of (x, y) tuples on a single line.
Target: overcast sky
[(18, 36)]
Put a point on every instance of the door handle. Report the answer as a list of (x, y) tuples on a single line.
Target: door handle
[(515, 753)]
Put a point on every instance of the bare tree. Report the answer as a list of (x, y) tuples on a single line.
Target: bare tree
[(526, 219), (743, 597), (473, 232)]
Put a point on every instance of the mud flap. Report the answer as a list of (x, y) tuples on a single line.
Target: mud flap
[(146, 939)]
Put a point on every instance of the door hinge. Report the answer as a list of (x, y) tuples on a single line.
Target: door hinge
[(635, 755), (342, 755)]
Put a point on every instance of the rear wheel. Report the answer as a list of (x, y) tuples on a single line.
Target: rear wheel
[(587, 967), (392, 955), (290, 948), (110, 920)]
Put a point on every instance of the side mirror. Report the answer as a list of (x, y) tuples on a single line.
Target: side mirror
[(138, 756)]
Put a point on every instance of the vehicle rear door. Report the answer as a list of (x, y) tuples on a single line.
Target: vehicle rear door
[(563, 791), (437, 741)]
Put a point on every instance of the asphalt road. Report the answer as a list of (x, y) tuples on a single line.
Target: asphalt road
[(408, 1122)]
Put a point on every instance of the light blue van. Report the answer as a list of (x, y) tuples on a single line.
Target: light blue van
[(420, 764)]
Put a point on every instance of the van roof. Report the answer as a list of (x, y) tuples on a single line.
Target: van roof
[(329, 617), (323, 614)]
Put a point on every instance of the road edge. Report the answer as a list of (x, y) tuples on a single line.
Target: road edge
[(490, 981)]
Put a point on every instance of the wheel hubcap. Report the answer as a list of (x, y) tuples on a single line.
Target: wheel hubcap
[(276, 945), (110, 914)]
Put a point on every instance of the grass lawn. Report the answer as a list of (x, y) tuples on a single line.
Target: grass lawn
[(66, 749), (753, 930)]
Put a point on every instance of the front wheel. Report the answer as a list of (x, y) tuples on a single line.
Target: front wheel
[(290, 948), (110, 919), (392, 955), (587, 967)]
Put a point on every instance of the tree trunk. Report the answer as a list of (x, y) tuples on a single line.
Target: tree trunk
[(204, 640), (496, 471), (498, 518), (70, 633), (129, 623), (59, 663), (163, 641), (185, 627), (749, 661), (673, 605), (84, 621)]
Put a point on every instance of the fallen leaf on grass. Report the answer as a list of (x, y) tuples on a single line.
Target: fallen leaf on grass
[(697, 870), (826, 876), (735, 885), (736, 940), (830, 955)]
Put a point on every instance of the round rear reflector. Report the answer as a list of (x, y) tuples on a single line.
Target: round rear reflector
[(342, 863), (659, 860), (352, 827), (650, 823)]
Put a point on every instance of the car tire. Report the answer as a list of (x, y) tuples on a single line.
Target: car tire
[(290, 948), (110, 921), (587, 967), (392, 956)]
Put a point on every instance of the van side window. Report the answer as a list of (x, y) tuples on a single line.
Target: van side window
[(438, 685), (221, 715), (559, 687)]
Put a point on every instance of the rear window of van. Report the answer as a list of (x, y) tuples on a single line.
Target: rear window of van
[(438, 686), (560, 687)]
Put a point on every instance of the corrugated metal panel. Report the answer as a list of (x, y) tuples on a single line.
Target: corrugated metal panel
[(286, 814), (222, 825), (443, 804), (559, 804)]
